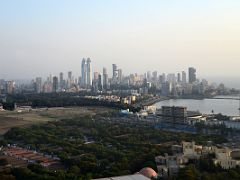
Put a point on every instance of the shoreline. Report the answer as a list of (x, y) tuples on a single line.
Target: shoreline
[(194, 104), (151, 101)]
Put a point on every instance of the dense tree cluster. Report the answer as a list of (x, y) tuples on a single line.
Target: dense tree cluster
[(98, 147), (59, 100)]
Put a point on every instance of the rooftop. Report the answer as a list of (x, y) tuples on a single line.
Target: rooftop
[(128, 177)]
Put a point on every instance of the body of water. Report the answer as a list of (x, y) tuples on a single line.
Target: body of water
[(225, 106)]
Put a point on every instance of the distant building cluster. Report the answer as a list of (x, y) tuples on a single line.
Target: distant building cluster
[(170, 84)]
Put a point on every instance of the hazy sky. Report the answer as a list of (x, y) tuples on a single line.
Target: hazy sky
[(39, 37)]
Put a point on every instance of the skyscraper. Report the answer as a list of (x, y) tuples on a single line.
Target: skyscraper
[(50, 79), (161, 79), (10, 85), (104, 70), (86, 79), (88, 72), (95, 76), (115, 72), (61, 80), (99, 82), (38, 85), (192, 75), (84, 73), (149, 76), (55, 84), (171, 78), (119, 75), (184, 77), (70, 75), (2, 84), (178, 77), (105, 79), (155, 76), (95, 81), (70, 79)]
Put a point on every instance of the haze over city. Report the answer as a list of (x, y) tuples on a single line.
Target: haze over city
[(119, 89), (38, 38)]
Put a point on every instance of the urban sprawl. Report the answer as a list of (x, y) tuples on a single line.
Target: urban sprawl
[(106, 125)]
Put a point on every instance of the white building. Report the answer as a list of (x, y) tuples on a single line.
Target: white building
[(191, 150), (227, 158)]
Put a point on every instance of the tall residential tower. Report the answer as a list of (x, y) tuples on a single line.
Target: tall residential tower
[(86, 79), (192, 75), (84, 73), (88, 72)]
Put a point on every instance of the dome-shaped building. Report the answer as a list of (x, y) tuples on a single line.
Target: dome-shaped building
[(148, 172)]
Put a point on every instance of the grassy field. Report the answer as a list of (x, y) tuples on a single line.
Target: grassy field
[(9, 119)]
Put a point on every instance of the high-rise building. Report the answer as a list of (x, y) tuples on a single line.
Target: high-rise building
[(162, 78), (155, 76), (86, 79), (171, 78), (174, 114), (88, 72), (192, 75), (50, 78), (184, 77), (104, 70), (70, 79), (95, 76), (96, 82), (119, 75), (61, 80), (70, 75), (84, 73), (38, 85), (99, 82), (149, 76), (47, 87), (178, 77), (105, 79), (115, 72), (2, 88), (167, 88), (55, 84), (10, 87)]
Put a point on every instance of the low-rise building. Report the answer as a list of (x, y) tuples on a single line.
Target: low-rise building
[(23, 109), (170, 165), (150, 109), (227, 158), (191, 150)]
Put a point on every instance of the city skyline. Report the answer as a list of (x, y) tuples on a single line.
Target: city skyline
[(231, 82), (47, 37)]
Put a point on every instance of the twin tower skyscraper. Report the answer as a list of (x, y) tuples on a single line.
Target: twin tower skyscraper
[(86, 78)]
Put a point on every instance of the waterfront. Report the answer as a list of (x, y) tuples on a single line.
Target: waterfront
[(225, 106)]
